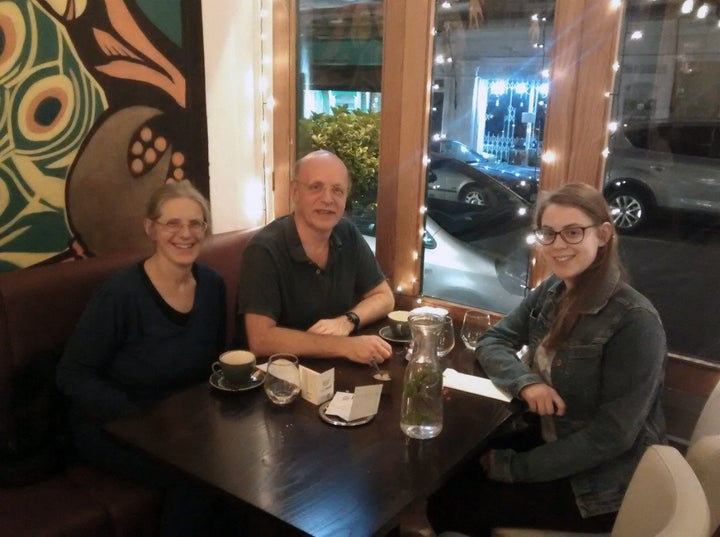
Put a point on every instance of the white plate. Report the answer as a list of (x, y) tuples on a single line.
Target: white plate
[(337, 420), (218, 381)]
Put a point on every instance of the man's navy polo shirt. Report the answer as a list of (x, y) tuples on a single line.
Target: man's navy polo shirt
[(278, 279)]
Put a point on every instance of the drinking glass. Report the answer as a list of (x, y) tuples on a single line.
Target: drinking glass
[(282, 384), (446, 342), (475, 324)]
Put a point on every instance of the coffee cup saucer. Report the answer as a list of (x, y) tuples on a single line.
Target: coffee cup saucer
[(387, 334), (218, 381)]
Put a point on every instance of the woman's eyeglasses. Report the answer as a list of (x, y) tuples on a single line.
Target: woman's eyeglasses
[(175, 224), (571, 235)]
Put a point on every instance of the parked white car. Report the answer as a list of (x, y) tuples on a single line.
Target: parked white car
[(662, 164), (455, 271)]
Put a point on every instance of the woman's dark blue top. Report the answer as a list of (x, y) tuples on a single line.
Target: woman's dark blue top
[(131, 348)]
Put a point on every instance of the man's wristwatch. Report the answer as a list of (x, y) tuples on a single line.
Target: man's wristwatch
[(354, 319)]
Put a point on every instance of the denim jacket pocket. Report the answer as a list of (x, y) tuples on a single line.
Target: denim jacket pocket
[(576, 376)]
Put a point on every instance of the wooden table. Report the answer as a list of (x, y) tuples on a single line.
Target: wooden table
[(314, 477)]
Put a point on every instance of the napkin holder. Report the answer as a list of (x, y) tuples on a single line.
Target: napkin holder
[(317, 387)]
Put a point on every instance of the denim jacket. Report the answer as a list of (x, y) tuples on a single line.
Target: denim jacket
[(609, 372)]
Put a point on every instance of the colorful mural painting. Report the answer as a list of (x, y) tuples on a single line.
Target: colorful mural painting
[(96, 113)]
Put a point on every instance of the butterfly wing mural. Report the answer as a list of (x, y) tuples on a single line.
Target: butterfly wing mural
[(135, 138)]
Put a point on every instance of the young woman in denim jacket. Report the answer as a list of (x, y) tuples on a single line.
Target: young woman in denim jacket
[(593, 374)]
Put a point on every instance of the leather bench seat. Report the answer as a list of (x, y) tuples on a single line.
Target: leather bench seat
[(39, 307)]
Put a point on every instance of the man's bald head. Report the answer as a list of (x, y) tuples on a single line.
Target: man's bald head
[(324, 159)]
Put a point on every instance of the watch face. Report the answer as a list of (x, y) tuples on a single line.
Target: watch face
[(354, 319)]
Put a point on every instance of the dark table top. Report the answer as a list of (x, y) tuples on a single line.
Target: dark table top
[(315, 477)]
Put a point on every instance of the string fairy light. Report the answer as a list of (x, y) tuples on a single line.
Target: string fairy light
[(267, 102)]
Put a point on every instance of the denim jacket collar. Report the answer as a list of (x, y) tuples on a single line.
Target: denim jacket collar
[(600, 295)]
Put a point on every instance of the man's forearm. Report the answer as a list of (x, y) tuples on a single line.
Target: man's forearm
[(277, 339), (375, 305)]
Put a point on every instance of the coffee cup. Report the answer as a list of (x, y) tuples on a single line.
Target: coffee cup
[(235, 366), (399, 323)]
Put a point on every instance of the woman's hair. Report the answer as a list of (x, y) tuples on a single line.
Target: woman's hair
[(572, 302), (176, 190)]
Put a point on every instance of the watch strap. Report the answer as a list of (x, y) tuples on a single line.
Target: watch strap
[(354, 319)]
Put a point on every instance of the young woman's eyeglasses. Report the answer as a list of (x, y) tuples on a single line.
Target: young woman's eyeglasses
[(175, 224), (571, 235)]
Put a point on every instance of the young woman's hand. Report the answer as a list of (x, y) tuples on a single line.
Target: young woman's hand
[(543, 400)]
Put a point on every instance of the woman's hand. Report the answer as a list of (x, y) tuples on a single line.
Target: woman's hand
[(543, 400)]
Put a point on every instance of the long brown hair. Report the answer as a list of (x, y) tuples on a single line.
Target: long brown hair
[(574, 300)]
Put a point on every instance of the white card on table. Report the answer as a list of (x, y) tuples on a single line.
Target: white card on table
[(353, 406)]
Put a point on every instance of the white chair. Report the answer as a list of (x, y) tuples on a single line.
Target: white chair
[(664, 499), (709, 421), (704, 455), (704, 458)]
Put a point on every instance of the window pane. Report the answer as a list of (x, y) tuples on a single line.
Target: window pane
[(489, 97), (662, 174), (339, 64)]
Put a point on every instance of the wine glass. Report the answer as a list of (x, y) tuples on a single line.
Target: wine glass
[(475, 324), (446, 342), (282, 384)]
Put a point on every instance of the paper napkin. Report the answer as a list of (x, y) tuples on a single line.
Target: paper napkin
[(472, 384)]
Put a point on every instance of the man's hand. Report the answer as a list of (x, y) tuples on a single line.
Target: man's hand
[(339, 326), (543, 400), (365, 349)]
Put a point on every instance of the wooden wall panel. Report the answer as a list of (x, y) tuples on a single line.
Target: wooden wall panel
[(407, 53), (284, 112), (585, 48), (598, 52), (563, 91)]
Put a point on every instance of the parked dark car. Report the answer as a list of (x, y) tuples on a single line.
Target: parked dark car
[(523, 180), (662, 165), (453, 181)]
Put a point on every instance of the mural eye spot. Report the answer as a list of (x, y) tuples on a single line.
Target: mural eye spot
[(47, 111), (12, 36)]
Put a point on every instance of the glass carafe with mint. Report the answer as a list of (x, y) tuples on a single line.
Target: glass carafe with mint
[(421, 415)]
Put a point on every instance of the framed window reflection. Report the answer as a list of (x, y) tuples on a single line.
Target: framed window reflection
[(663, 169), (490, 87), (339, 61)]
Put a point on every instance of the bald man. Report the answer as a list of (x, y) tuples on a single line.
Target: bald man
[(309, 279)]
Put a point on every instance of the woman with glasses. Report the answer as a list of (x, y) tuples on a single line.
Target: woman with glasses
[(152, 329), (590, 377)]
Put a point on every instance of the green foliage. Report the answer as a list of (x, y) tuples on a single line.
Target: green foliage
[(352, 136)]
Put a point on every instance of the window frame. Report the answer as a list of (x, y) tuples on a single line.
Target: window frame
[(586, 40)]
